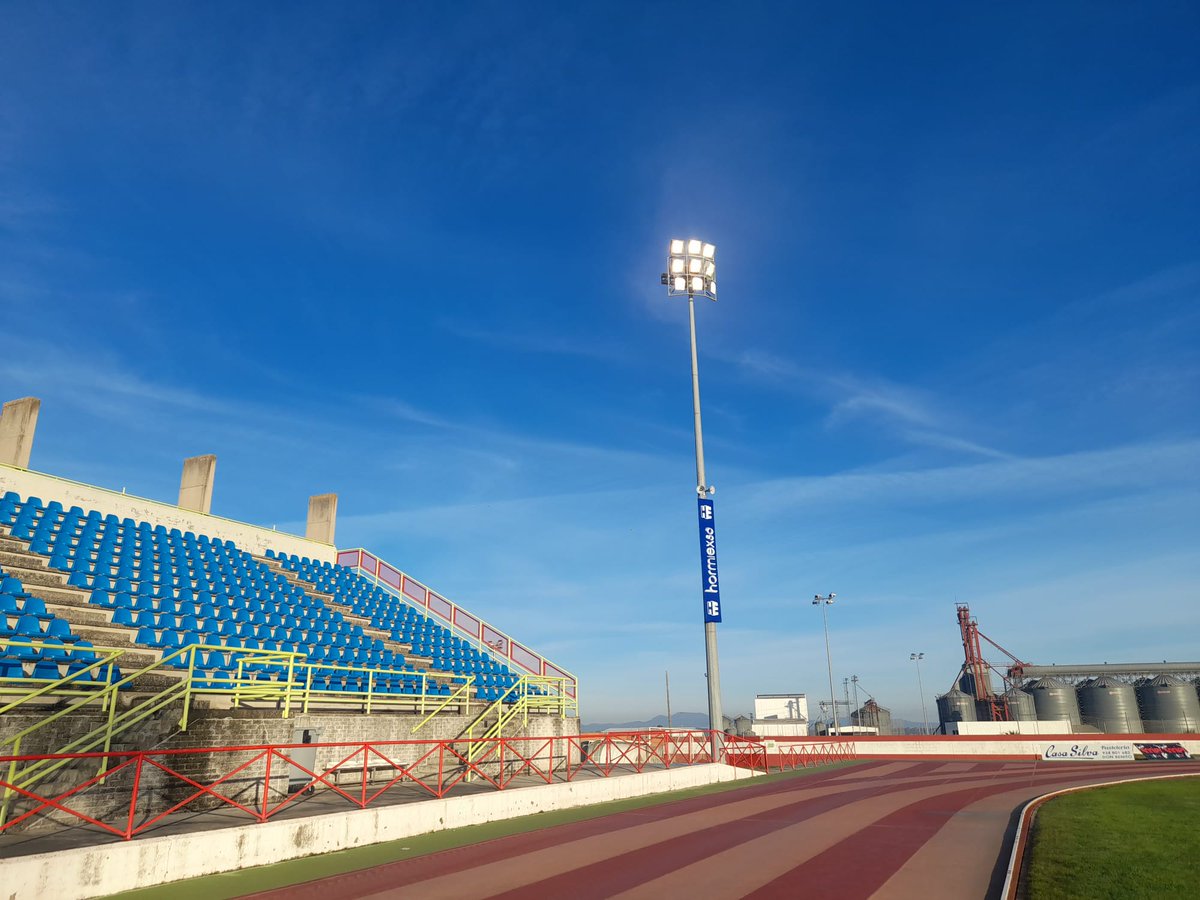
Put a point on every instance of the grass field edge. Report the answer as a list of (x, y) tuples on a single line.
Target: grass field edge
[(1018, 858)]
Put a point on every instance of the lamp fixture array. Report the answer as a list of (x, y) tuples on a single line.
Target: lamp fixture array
[(691, 269)]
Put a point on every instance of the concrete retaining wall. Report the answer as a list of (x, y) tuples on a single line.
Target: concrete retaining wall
[(100, 870), (253, 538), (251, 728)]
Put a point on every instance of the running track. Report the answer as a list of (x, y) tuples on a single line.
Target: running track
[(882, 830)]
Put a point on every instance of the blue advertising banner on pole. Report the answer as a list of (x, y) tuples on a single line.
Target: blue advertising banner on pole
[(708, 562)]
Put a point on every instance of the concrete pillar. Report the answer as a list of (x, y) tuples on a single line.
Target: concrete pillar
[(196, 485), (18, 421), (322, 518)]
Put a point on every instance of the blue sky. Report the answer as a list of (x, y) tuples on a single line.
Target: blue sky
[(410, 253)]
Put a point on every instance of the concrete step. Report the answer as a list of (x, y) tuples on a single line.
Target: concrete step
[(343, 608), (9, 558)]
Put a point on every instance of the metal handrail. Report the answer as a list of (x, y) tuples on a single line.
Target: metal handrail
[(509, 657)]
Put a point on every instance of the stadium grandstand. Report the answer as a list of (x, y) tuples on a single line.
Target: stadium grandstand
[(129, 625)]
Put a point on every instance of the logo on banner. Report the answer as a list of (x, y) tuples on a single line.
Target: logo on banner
[(1163, 752), (708, 562), (1088, 752)]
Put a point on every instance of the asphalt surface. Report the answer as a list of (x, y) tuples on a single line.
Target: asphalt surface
[(883, 830)]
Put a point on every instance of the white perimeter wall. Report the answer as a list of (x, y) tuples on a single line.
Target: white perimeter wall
[(1049, 726), (253, 538), (1006, 746), (96, 871)]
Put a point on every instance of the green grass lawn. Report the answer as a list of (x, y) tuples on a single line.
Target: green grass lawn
[(1128, 841), (261, 878)]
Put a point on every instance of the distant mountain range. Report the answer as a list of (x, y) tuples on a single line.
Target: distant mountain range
[(678, 720), (700, 720)]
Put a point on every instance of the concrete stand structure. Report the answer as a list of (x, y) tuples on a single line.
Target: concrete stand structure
[(322, 518), (17, 425), (196, 484)]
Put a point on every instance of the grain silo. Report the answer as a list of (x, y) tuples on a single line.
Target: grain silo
[(1021, 707), (872, 715), (1054, 700), (955, 706), (1110, 706), (1168, 705)]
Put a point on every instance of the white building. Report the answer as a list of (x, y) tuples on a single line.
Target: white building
[(781, 715)]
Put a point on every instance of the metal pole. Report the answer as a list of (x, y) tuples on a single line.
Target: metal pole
[(921, 685), (668, 676), (829, 665), (857, 708), (716, 720), (846, 697)]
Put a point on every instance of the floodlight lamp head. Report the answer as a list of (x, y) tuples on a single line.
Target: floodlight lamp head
[(691, 263)]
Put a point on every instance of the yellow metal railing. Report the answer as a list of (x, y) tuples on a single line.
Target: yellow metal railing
[(106, 692), (248, 683), (528, 694), (460, 697)]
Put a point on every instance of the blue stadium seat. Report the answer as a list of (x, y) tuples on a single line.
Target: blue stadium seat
[(60, 629), (10, 668), (18, 647), (29, 626), (12, 585), (46, 670)]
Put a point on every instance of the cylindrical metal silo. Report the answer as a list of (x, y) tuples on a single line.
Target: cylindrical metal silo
[(1054, 700), (966, 683), (1169, 705), (983, 710), (1021, 707), (872, 715), (955, 706), (1109, 705)]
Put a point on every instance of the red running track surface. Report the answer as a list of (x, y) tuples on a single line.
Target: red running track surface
[(883, 830)]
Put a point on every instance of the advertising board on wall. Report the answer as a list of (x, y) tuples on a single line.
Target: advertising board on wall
[(1162, 751), (1089, 752)]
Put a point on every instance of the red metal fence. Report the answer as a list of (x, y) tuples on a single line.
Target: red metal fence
[(140, 790)]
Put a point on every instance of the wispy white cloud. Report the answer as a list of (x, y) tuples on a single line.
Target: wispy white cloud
[(908, 414), (531, 341)]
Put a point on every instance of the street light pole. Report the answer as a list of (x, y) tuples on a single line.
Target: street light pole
[(823, 602), (917, 657), (691, 270)]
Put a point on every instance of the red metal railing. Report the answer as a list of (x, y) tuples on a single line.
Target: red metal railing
[(143, 789)]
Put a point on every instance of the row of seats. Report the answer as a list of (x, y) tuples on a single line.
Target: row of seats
[(175, 589), (387, 611)]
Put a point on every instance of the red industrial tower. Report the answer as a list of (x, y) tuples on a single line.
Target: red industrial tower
[(979, 669)]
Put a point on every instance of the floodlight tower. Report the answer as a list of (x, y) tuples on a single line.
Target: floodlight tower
[(692, 271), (917, 657), (824, 601)]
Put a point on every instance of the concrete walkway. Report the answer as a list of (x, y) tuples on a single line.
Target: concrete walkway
[(883, 830)]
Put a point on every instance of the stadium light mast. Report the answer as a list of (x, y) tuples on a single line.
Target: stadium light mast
[(692, 271), (917, 657), (823, 602)]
